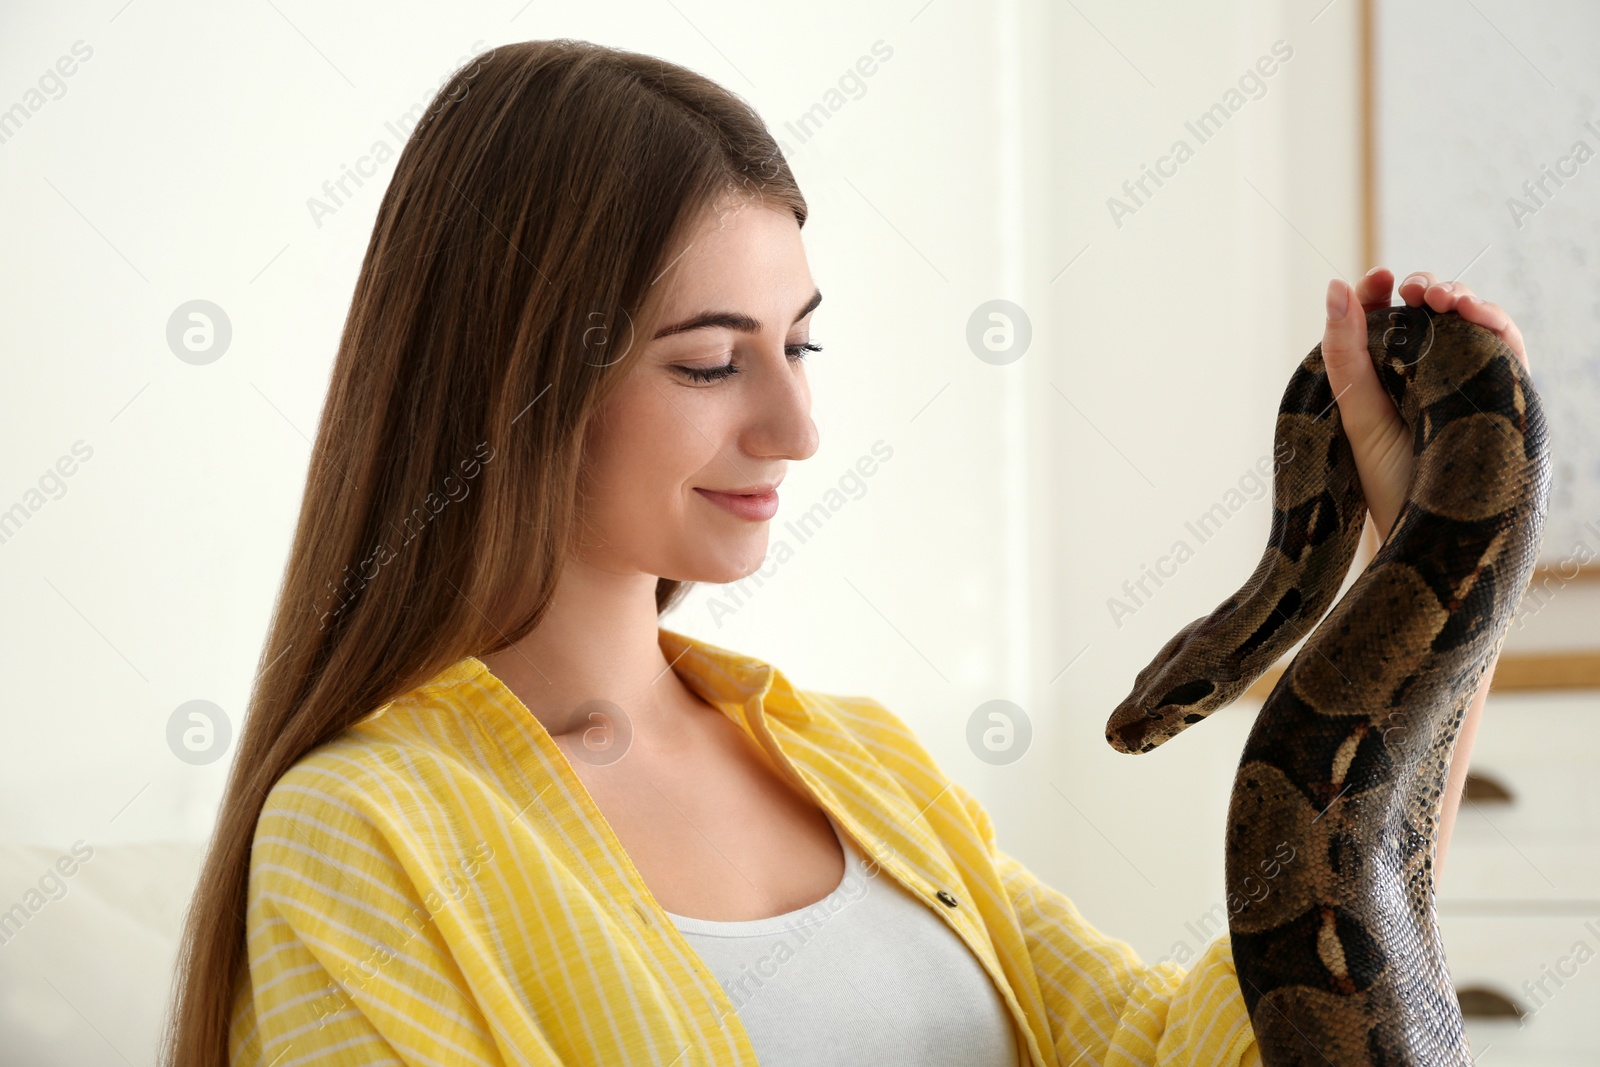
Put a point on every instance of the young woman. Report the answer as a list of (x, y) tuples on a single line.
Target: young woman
[(485, 810)]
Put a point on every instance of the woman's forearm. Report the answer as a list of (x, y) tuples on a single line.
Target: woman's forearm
[(1458, 768), (1462, 758)]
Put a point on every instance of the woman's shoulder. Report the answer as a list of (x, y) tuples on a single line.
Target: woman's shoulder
[(374, 818), (339, 777), (405, 756)]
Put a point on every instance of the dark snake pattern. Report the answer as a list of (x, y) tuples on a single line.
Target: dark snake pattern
[(1338, 950)]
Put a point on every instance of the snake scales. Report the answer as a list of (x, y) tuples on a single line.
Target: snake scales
[(1338, 952)]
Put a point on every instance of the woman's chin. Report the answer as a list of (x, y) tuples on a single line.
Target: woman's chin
[(740, 561)]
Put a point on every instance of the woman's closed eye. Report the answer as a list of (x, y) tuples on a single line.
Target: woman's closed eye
[(795, 352)]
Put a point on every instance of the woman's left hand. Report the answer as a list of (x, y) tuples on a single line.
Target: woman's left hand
[(1379, 438)]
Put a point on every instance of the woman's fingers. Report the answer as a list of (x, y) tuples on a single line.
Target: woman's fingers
[(1374, 287), (1459, 297), (1493, 317), (1442, 296), (1364, 407), (1377, 435), (1415, 285)]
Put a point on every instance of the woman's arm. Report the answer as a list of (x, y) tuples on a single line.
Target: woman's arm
[(1104, 1004), (1380, 440), (1460, 761), (347, 961), (1458, 769)]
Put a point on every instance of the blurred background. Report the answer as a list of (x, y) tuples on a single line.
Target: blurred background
[(1140, 206)]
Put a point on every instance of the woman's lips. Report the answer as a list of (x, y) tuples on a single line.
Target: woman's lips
[(758, 507)]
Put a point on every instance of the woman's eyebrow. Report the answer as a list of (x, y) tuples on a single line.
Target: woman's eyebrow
[(732, 320)]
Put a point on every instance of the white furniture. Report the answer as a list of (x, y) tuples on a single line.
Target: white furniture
[(1519, 895)]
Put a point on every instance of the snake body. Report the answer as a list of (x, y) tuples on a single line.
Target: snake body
[(1333, 819)]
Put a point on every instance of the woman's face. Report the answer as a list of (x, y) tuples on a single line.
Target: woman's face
[(715, 402)]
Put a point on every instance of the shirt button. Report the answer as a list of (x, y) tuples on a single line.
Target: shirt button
[(946, 898)]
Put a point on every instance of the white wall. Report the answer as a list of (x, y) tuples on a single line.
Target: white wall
[(979, 560), (1175, 335)]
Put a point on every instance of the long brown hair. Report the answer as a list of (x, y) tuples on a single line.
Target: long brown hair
[(545, 189)]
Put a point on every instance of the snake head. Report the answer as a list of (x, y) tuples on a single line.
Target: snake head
[(1147, 717), (1183, 683)]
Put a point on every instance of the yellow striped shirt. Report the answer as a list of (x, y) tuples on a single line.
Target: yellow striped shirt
[(435, 886)]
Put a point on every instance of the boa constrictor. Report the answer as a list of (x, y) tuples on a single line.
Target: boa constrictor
[(1338, 952)]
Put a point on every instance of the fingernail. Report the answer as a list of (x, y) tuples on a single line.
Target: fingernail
[(1415, 279), (1338, 300), (1371, 272), (1448, 287)]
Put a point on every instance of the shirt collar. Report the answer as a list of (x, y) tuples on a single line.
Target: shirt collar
[(742, 687)]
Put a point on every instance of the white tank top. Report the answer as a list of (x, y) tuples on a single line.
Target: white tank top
[(866, 975)]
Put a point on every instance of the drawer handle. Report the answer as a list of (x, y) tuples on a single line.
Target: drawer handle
[(1482, 788), (1480, 1003)]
